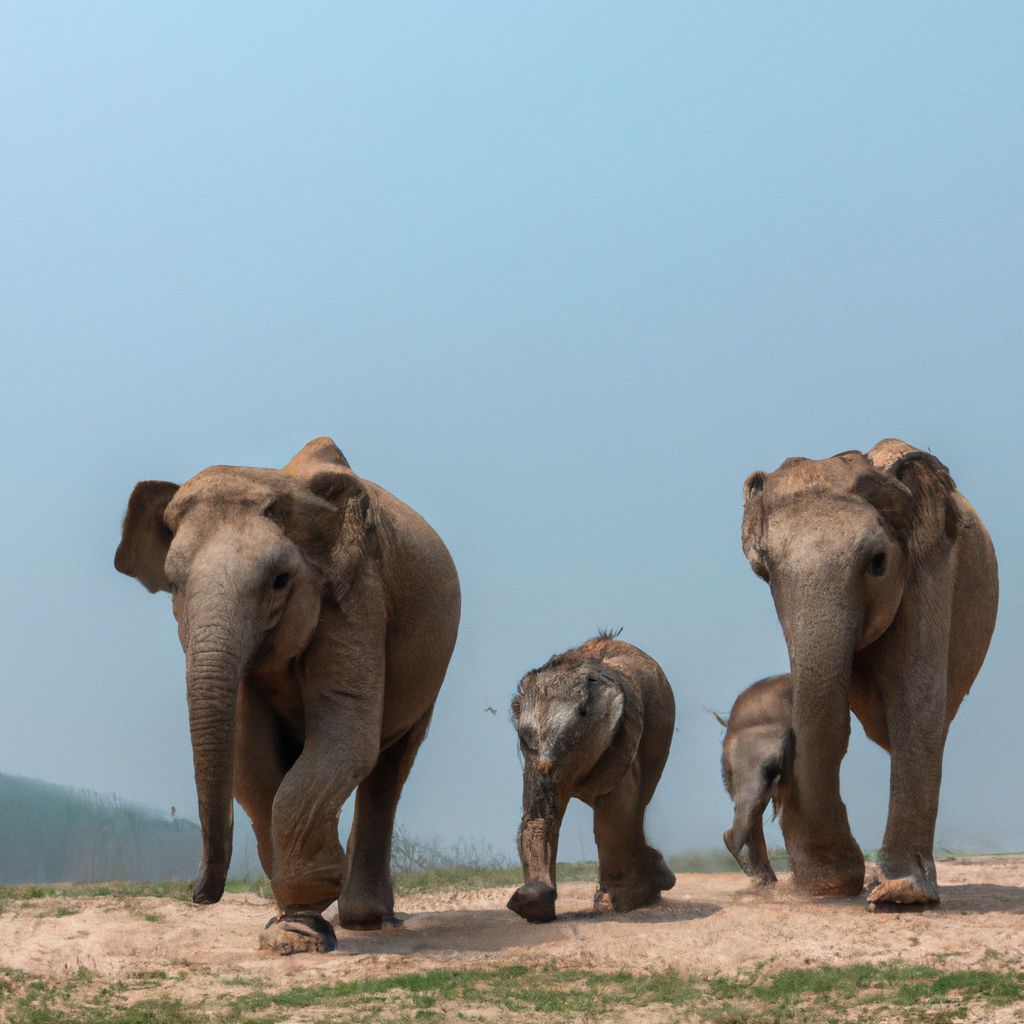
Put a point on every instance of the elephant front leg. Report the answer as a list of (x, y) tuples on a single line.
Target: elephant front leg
[(543, 809), (631, 873), (309, 864), (906, 865)]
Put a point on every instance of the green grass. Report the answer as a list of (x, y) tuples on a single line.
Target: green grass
[(165, 890), (430, 880), (461, 878), (861, 992)]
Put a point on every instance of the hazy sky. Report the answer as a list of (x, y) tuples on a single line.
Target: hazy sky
[(559, 276)]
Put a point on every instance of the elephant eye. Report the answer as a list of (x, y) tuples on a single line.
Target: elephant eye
[(280, 582), (877, 564), (528, 739)]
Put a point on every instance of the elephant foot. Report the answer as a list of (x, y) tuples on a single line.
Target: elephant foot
[(367, 912), (534, 901), (664, 876), (825, 886), (623, 898), (301, 933), (838, 872), (761, 876), (371, 924), (911, 891), (209, 886), (636, 887)]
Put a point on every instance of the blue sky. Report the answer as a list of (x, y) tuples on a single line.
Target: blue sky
[(559, 276)]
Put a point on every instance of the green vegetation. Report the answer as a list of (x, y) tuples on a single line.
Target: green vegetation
[(163, 890), (861, 992), (65, 833), (461, 879), (718, 860)]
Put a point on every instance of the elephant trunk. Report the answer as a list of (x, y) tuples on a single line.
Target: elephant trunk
[(213, 673), (534, 900), (745, 840), (824, 857)]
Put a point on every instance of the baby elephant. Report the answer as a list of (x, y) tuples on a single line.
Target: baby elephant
[(596, 723), (756, 756)]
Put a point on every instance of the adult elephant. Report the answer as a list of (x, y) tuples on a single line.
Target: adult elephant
[(884, 580), (318, 615)]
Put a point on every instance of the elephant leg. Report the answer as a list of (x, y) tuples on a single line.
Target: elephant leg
[(912, 679), (906, 865), (631, 873), (340, 750), (263, 754), (368, 901), (544, 805)]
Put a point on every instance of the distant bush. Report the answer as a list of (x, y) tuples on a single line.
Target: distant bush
[(53, 833), (410, 854)]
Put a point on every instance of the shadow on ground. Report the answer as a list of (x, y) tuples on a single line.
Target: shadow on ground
[(491, 931), (981, 898)]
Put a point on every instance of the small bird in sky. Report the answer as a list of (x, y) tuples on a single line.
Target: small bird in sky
[(492, 710)]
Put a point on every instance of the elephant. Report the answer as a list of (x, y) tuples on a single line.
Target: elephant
[(596, 723), (885, 583), (757, 754), (317, 614)]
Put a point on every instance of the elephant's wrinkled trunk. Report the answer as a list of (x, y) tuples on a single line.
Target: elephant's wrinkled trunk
[(534, 900), (745, 840), (213, 672), (825, 859)]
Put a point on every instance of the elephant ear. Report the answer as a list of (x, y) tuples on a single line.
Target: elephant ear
[(929, 519), (326, 472), (753, 523), (145, 537), (627, 730)]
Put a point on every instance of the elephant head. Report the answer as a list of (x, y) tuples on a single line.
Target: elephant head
[(247, 555), (837, 540), (579, 724)]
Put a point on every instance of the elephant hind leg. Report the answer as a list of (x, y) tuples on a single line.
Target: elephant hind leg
[(368, 901), (632, 874)]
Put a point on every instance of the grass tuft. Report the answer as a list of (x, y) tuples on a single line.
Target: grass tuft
[(857, 992)]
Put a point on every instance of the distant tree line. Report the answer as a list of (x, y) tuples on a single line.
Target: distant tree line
[(51, 833)]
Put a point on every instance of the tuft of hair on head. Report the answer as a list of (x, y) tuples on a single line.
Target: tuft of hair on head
[(609, 634), (723, 722)]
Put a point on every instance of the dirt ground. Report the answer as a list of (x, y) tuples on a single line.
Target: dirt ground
[(708, 924)]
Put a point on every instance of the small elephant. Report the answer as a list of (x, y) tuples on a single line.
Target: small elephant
[(885, 583), (596, 723), (757, 754), (317, 614)]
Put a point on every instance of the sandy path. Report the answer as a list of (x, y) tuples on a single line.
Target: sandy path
[(709, 924)]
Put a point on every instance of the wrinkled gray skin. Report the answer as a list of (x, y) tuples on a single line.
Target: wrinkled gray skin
[(594, 723), (317, 614), (885, 583), (757, 753)]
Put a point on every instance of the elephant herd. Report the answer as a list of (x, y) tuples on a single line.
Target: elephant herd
[(318, 614)]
